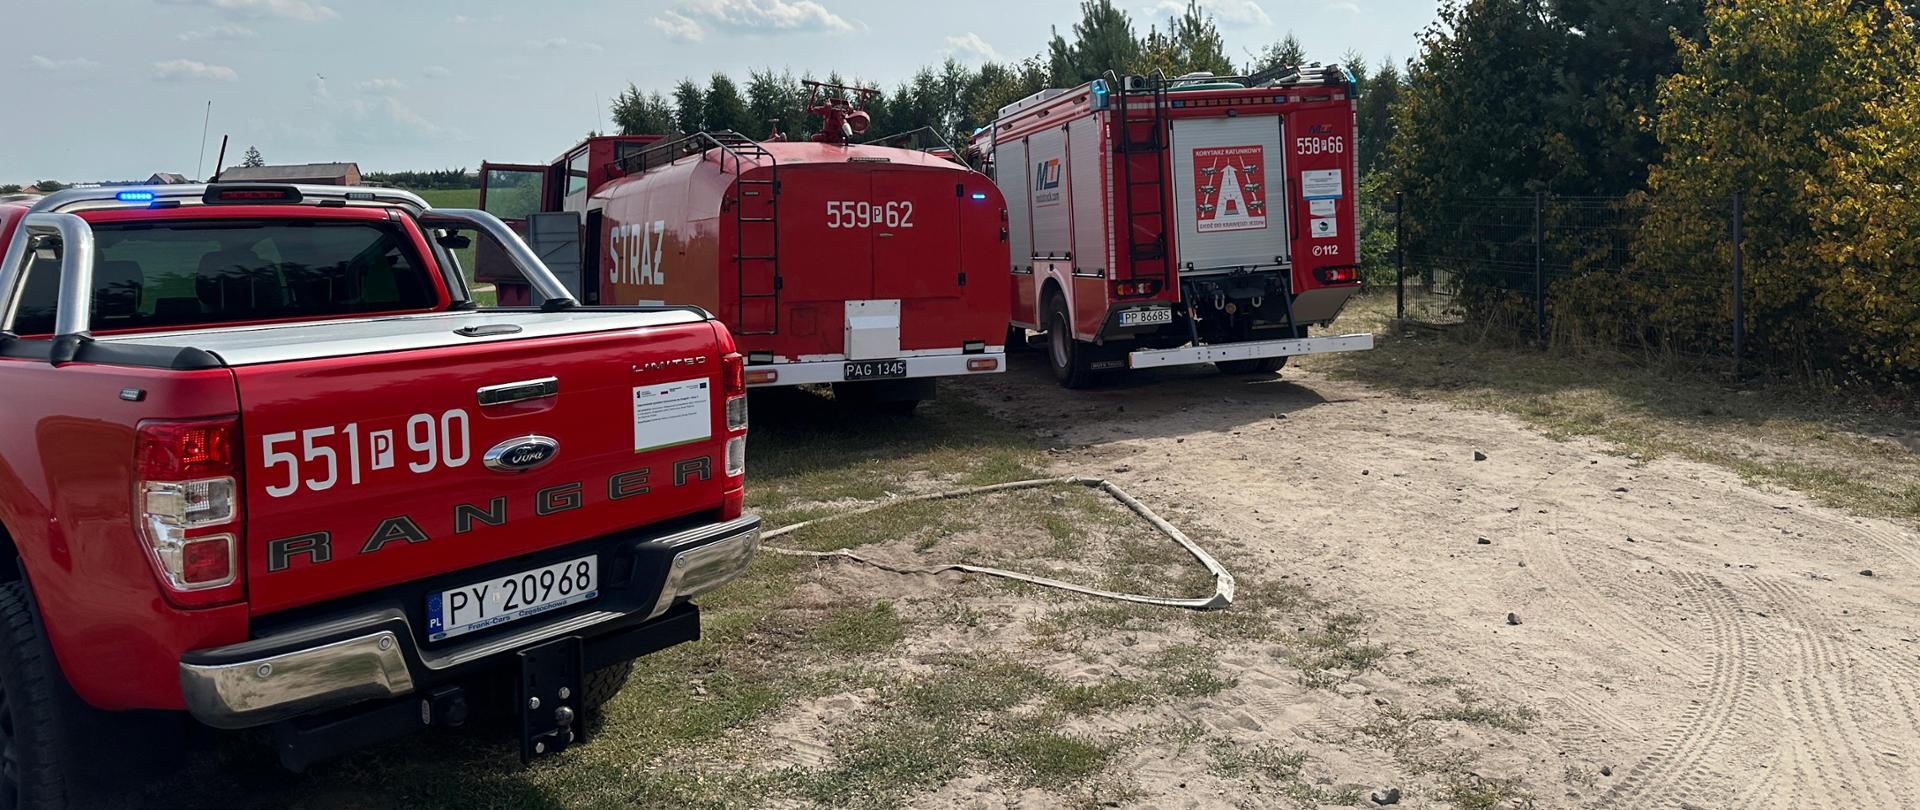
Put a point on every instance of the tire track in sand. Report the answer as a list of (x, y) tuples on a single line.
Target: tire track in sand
[(1676, 770)]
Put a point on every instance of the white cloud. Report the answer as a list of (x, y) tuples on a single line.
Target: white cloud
[(381, 87), (38, 62), (220, 33), (436, 72), (562, 44), (689, 20), (1350, 8), (679, 27), (1230, 12), (971, 45), (301, 10), (189, 70)]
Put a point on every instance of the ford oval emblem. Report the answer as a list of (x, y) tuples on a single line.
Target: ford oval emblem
[(521, 454)]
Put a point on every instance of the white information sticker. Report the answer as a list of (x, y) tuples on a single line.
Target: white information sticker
[(672, 414), (1322, 184), (1326, 228), (1320, 208)]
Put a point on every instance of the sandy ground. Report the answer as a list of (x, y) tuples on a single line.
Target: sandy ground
[(1685, 639)]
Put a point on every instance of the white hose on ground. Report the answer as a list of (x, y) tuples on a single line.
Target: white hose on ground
[(1222, 580)]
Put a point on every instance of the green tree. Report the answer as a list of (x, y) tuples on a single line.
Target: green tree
[(1288, 52), (637, 113), (1103, 40), (774, 102), (1379, 94), (725, 109), (252, 158), (689, 107), (1755, 109), (10, 188), (1616, 54), (1000, 85), (49, 186), (1192, 43)]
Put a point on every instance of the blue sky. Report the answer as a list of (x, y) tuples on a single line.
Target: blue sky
[(114, 89)]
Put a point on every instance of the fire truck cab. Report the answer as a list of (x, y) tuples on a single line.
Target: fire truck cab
[(1162, 222)]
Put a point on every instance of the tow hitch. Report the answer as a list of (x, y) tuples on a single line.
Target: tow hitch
[(552, 706)]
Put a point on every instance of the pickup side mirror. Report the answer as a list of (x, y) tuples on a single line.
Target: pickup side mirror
[(555, 238)]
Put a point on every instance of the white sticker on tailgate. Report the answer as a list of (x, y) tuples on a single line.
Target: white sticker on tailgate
[(671, 414)]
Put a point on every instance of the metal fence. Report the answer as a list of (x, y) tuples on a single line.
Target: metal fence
[(1595, 270)]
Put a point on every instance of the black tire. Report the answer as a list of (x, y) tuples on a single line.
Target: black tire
[(35, 710), (1072, 360), (1263, 365), (602, 684)]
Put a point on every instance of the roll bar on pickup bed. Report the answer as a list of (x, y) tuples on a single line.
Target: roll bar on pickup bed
[(52, 227)]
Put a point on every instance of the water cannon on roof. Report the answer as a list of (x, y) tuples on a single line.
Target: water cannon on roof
[(842, 110)]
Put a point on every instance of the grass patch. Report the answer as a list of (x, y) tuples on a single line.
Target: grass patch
[(855, 631), (1046, 758), (1475, 709), (1334, 651), (1266, 761)]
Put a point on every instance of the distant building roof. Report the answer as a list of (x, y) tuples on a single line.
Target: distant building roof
[(166, 178), (291, 171)]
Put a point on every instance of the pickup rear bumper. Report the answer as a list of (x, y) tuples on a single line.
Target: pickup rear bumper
[(332, 661)]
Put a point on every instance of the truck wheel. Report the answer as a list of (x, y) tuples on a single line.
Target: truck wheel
[(1263, 365), (603, 683), (33, 741), (1072, 360)]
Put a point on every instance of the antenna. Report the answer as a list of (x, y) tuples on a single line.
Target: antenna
[(217, 162), (201, 158)]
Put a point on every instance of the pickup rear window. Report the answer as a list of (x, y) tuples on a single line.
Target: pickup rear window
[(203, 273)]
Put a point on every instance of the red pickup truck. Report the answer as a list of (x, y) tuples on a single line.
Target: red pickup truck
[(266, 462)]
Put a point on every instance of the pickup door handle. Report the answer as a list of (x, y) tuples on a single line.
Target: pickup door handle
[(519, 391)]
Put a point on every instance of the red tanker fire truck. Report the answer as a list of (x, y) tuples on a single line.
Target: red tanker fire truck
[(830, 262), (1162, 222)]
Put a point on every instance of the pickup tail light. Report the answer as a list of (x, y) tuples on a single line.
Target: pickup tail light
[(733, 386), (187, 508)]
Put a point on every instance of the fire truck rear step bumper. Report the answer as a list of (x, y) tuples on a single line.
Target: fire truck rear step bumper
[(924, 365), (1252, 350)]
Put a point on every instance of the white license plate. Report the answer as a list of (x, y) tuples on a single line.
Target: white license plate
[(497, 601), (1146, 317)]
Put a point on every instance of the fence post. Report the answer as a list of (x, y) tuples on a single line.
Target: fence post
[(1399, 255), (1739, 279), (1539, 266)]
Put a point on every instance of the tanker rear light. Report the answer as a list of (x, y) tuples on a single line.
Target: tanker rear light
[(1136, 288), (762, 376), (983, 364), (974, 346), (758, 358), (1338, 275)]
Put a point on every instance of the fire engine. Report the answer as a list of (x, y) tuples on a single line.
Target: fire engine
[(874, 268), (1163, 222)]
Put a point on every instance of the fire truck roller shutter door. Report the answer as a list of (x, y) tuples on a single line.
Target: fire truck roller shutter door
[(1228, 188), (1014, 177)]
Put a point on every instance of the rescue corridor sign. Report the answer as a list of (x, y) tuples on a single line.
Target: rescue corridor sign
[(1229, 191)]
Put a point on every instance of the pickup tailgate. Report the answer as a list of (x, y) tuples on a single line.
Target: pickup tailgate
[(370, 466)]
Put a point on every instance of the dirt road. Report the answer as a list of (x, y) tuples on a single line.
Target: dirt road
[(1683, 639)]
